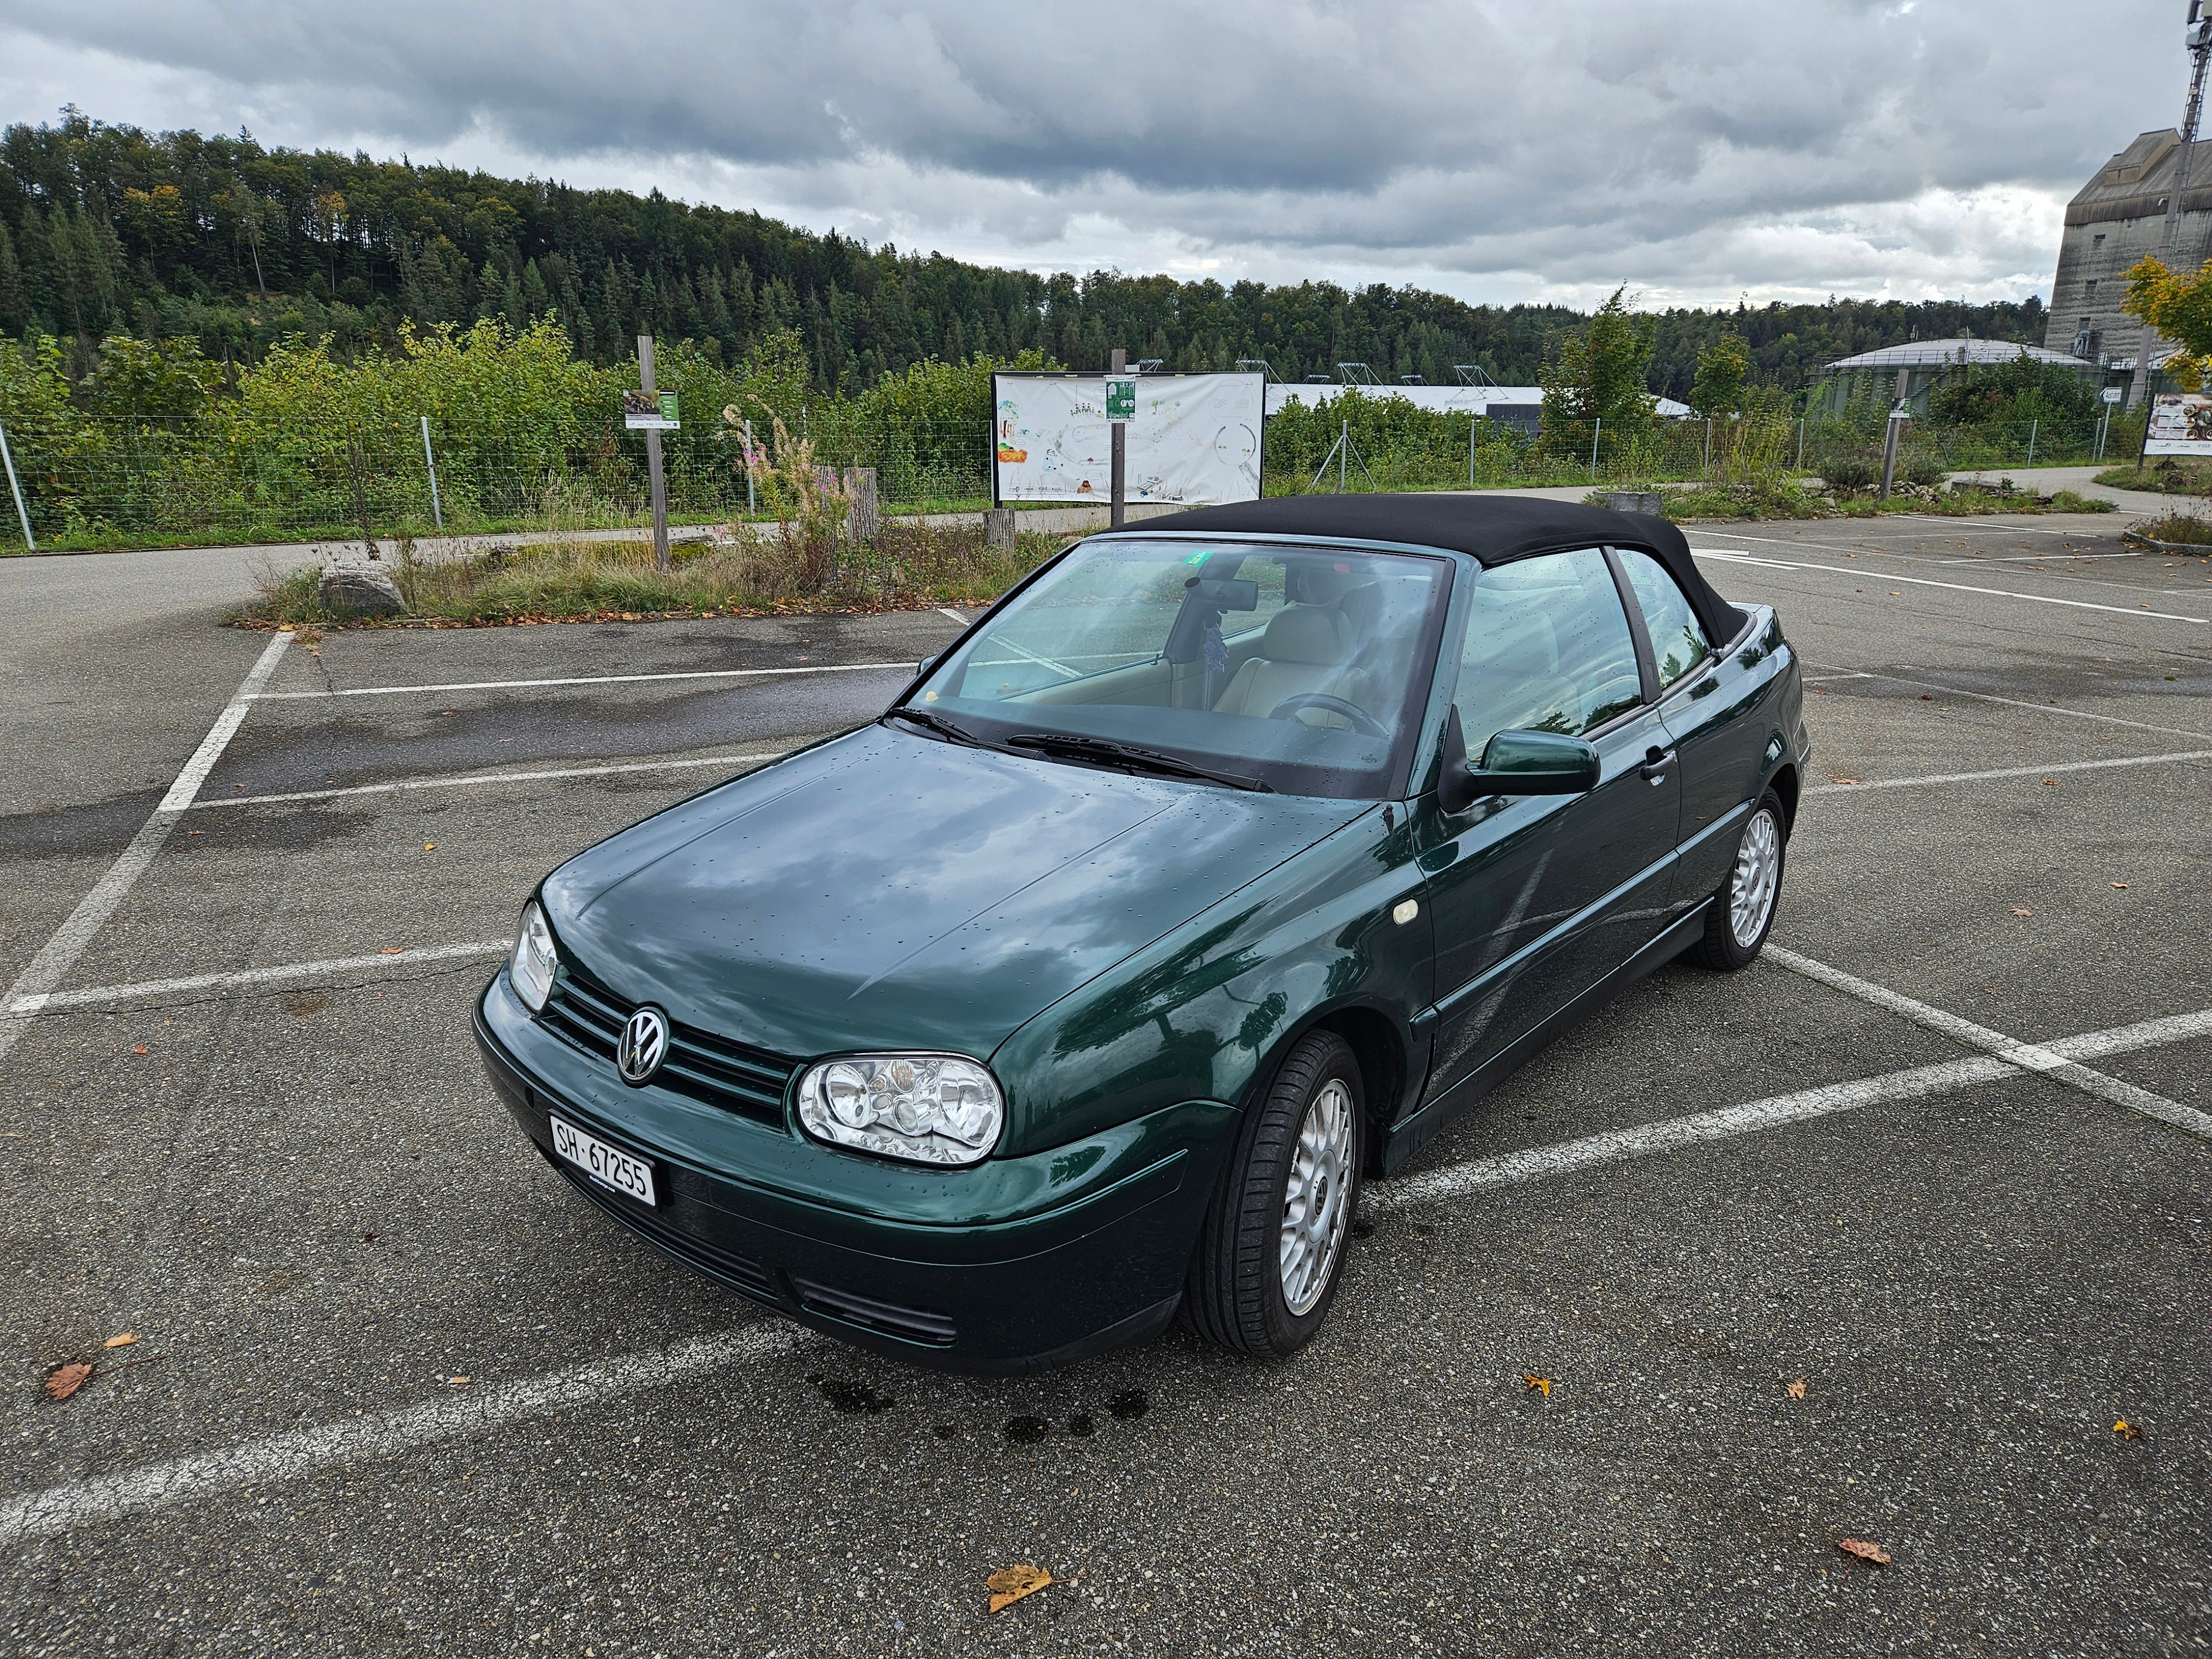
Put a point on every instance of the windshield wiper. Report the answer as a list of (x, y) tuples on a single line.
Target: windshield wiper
[(1132, 755), (937, 723)]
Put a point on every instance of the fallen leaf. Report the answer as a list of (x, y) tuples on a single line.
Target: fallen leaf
[(2021, 910), (1541, 1384), (2120, 886), (391, 950), (457, 1380), (139, 1048), (122, 1341), (1864, 1551), (1927, 696), (2124, 1429), (67, 1380), (1009, 1584), (1796, 1390), (1837, 777), (429, 846), (2051, 783)]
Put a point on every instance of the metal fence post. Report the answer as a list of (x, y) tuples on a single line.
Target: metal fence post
[(1596, 428), (16, 489), (1709, 447), (1801, 443), (2032, 426), (751, 507), (437, 509), (1470, 453)]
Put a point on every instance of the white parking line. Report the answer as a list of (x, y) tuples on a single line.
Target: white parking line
[(2013, 702), (290, 1457), (59, 954), (468, 779), (1730, 555), (947, 611), (2027, 1056), (367, 1438), (2004, 772), (91, 996), (587, 679)]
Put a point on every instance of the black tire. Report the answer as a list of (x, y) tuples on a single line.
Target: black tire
[(1722, 948), (1236, 1294)]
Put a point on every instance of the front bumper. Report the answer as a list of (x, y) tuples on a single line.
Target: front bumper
[(1016, 1264)]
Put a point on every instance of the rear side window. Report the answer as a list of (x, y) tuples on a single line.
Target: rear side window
[(1678, 640), (1547, 649)]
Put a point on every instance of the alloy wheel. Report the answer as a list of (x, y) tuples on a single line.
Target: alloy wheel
[(1758, 872), (1317, 1203)]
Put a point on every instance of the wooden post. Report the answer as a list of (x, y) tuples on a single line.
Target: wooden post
[(1889, 440), (998, 529), (1118, 514), (653, 460), (866, 517)]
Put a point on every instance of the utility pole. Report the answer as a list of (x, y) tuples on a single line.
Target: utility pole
[(1118, 365), (2199, 42), (652, 458)]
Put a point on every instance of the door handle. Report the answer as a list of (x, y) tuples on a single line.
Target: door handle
[(1657, 763)]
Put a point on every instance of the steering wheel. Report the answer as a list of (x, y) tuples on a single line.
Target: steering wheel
[(1362, 723)]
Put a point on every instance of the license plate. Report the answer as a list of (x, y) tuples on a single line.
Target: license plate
[(610, 1166)]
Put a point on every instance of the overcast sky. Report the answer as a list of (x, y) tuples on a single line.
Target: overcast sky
[(1495, 150)]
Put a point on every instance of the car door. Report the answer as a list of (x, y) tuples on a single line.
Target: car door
[(1709, 704), (1535, 897)]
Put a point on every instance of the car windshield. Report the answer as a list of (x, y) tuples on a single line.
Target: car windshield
[(1299, 670)]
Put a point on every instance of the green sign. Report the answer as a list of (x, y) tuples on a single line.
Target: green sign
[(668, 409), (1120, 398)]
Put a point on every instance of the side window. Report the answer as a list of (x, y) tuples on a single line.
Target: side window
[(1678, 641), (1547, 649)]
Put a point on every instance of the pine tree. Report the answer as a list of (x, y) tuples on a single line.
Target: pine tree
[(14, 299), (537, 298)]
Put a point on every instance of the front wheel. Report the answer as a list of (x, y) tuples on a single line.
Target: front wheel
[(1741, 913), (1272, 1252)]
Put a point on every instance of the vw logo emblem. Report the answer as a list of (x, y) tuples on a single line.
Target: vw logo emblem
[(644, 1046)]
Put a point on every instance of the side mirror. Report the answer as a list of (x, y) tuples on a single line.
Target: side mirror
[(1514, 763), (924, 667)]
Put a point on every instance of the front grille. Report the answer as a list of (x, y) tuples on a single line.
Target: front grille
[(749, 1081), (913, 1324)]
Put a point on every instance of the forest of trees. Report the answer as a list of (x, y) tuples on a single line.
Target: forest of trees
[(109, 230)]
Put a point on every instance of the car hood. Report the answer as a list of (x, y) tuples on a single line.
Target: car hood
[(889, 889)]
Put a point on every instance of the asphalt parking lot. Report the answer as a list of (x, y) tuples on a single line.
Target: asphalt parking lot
[(1942, 1157)]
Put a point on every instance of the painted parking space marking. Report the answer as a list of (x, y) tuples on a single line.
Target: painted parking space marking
[(585, 679), (93, 996), (477, 779), (2009, 702), (306, 1451), (60, 953), (57, 1509), (1937, 778), (2043, 1061), (1731, 556)]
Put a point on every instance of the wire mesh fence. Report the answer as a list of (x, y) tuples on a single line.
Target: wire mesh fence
[(89, 480)]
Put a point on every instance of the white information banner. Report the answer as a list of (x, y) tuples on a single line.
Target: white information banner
[(1194, 438), (2180, 424)]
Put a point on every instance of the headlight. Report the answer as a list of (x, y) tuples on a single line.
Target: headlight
[(926, 1108), (532, 966)]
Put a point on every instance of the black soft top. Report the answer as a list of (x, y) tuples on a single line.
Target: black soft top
[(1493, 529)]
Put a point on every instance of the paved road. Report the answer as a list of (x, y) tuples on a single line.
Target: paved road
[(395, 1389)]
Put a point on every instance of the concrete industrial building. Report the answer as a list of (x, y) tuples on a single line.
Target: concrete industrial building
[(2113, 220)]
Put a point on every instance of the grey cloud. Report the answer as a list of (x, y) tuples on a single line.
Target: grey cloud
[(1459, 134)]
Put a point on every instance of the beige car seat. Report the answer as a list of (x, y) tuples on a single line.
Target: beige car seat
[(1305, 649)]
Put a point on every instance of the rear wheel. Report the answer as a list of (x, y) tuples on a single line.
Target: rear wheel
[(1741, 913), (1272, 1252)]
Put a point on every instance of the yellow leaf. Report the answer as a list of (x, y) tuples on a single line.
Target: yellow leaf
[(2126, 1430), (1541, 1384), (1797, 1388), (429, 846), (1009, 1584), (390, 950), (458, 1381), (122, 1341)]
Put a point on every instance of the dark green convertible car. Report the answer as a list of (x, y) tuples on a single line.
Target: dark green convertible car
[(1218, 868)]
